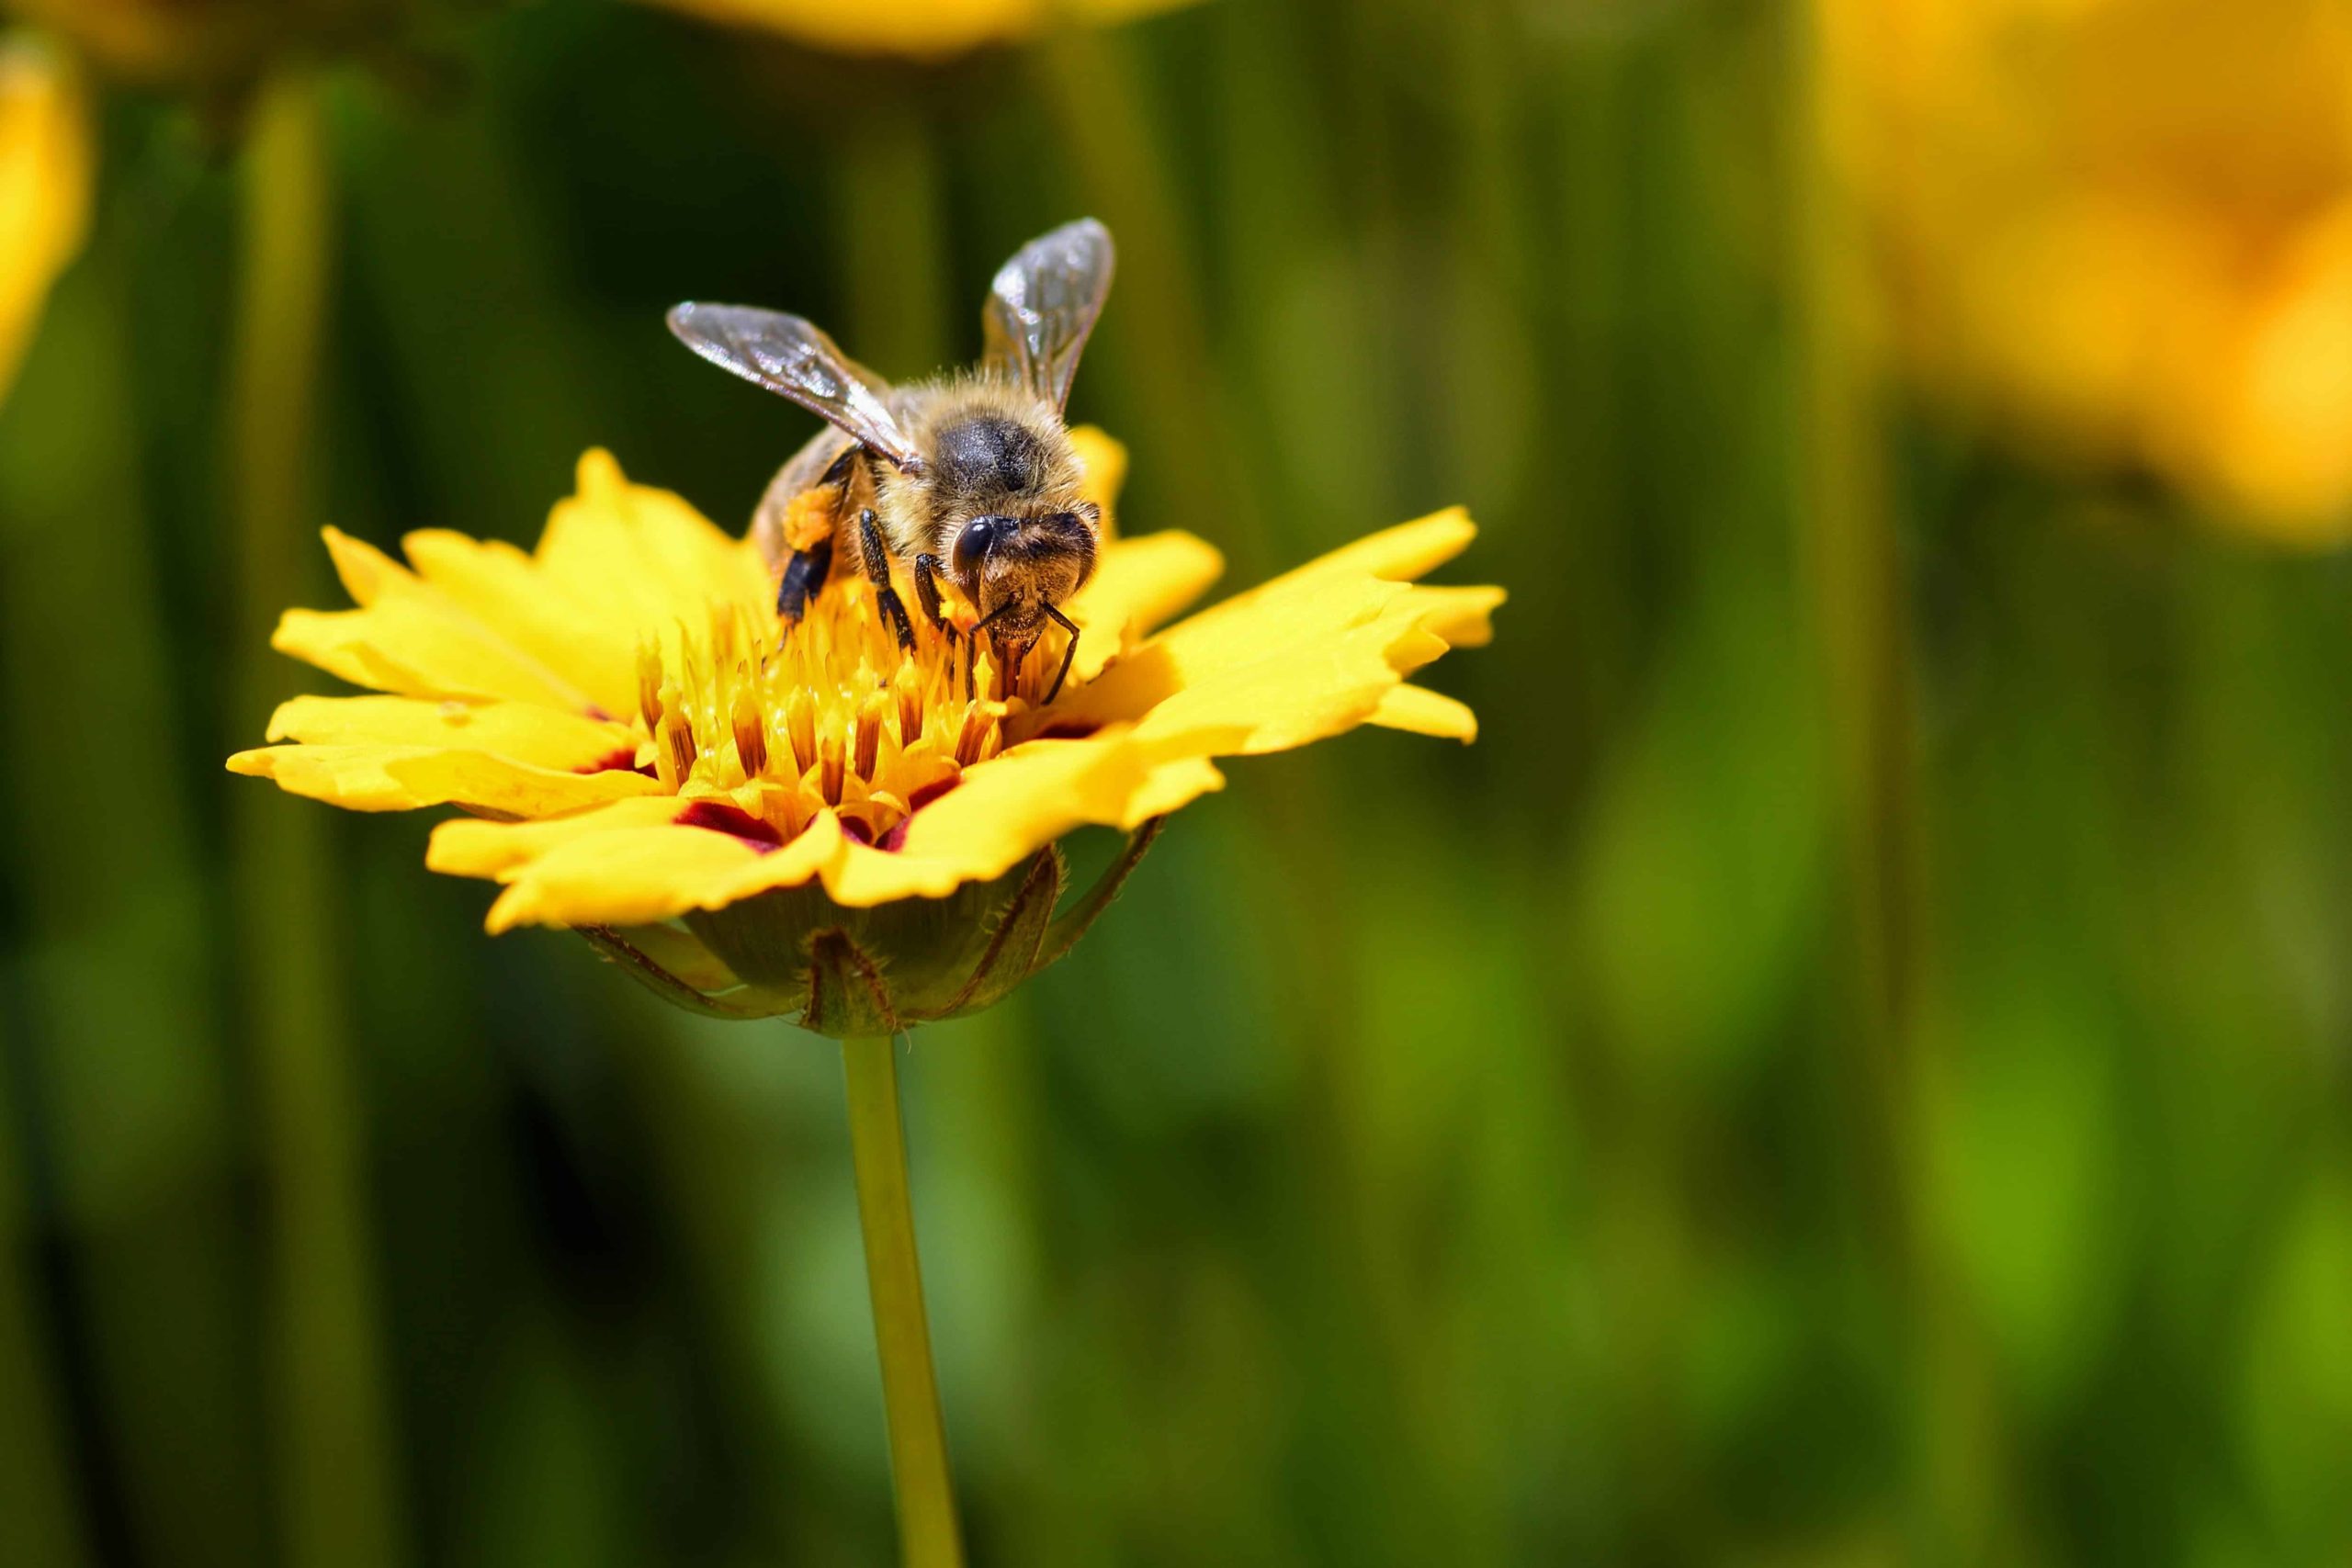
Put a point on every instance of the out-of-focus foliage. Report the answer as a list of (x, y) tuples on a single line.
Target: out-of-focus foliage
[(1439, 1155), (216, 44), (2122, 228)]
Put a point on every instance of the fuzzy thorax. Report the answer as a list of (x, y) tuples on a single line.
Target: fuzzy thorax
[(997, 456)]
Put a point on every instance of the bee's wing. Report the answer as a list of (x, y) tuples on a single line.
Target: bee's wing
[(788, 355), (1043, 304)]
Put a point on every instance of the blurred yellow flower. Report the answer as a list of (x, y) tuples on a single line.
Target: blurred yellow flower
[(919, 29), (45, 173), (2122, 226), (158, 41), (187, 43), (655, 750)]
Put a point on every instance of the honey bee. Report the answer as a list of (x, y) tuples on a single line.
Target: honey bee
[(969, 477)]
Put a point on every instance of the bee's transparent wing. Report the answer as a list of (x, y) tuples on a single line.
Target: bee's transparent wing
[(1043, 304), (788, 355)]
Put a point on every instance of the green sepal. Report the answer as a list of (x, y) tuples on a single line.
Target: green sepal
[(1011, 956), (1063, 934), (851, 973)]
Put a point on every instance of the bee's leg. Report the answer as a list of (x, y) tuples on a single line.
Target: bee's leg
[(804, 577), (878, 572), (801, 526), (1070, 652), (927, 580)]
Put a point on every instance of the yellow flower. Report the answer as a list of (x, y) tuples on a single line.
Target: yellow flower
[(918, 29), (211, 44), (763, 822), (45, 170), (2124, 226)]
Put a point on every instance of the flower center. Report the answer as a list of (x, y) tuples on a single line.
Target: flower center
[(783, 722)]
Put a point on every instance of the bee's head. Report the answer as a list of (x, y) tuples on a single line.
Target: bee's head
[(1012, 568)]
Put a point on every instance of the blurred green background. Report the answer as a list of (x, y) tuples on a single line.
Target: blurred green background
[(1851, 1068)]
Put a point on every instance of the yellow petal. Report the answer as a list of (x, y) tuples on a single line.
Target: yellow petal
[(819, 845), (619, 565), (1461, 617), (522, 732), (626, 877), (410, 637), (1307, 655), (1105, 462), (1137, 585), (45, 175), (635, 560), (1009, 807), (916, 30), (1424, 712), (402, 778), (463, 848), (611, 869), (506, 588), (1401, 554)]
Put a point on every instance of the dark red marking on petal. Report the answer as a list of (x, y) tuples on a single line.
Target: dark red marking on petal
[(621, 759), (600, 715), (1067, 729), (896, 839), (732, 820), (855, 829), (932, 792)]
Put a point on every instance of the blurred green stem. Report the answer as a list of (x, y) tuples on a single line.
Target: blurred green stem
[(1170, 386), (927, 1533), (336, 1500), (893, 251), (1848, 558), (39, 1522), (1851, 560)]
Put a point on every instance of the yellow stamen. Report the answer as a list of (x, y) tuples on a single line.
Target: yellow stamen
[(831, 708), (750, 734), (800, 724), (909, 687), (869, 736), (649, 685), (979, 719), (829, 770), (675, 757)]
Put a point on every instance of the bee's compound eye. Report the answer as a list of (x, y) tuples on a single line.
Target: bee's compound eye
[(972, 545)]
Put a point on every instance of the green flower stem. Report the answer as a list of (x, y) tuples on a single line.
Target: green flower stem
[(38, 1521), (927, 1534), (1853, 567), (1854, 575), (337, 1498), (892, 240)]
